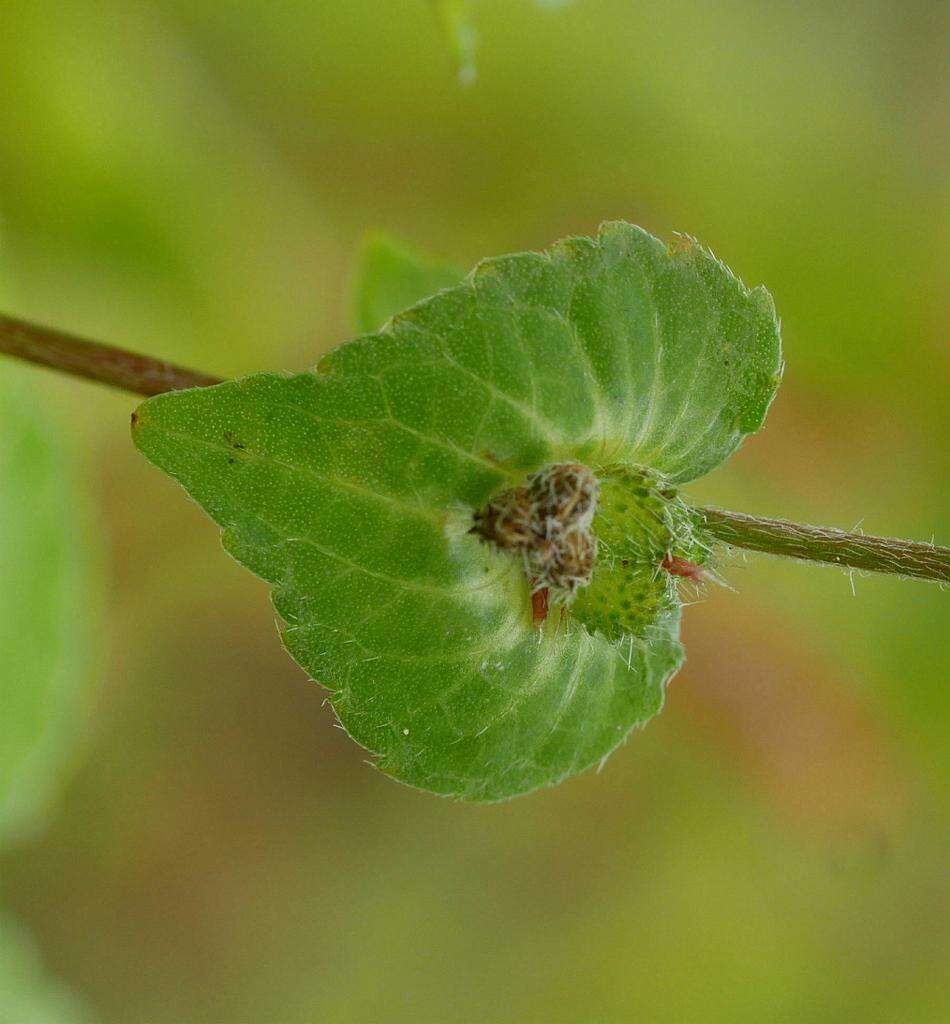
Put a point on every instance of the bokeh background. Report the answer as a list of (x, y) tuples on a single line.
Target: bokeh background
[(192, 179)]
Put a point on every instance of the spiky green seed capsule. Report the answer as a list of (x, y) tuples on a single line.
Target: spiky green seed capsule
[(639, 521)]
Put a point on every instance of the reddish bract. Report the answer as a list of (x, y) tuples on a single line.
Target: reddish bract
[(677, 566), (539, 605)]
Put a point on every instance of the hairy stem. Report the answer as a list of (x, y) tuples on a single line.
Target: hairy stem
[(90, 359), (824, 544), (146, 376)]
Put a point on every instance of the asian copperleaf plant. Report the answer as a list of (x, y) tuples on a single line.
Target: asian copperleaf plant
[(352, 489), (471, 514)]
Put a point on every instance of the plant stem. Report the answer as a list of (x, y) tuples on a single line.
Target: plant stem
[(90, 359), (145, 376), (824, 544)]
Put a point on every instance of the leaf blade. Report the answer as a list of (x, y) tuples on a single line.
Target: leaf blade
[(351, 490), (46, 605), (391, 277), (28, 995)]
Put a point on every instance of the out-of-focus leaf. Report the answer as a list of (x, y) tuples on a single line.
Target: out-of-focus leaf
[(455, 21), (391, 278), (47, 604), (28, 995), (353, 489)]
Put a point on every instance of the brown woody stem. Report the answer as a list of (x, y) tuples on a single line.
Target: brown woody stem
[(823, 544), (90, 359)]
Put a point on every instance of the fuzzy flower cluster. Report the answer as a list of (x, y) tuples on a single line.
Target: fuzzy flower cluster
[(548, 522)]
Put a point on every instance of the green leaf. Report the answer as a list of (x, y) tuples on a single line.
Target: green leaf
[(47, 602), (27, 994), (353, 489), (391, 278)]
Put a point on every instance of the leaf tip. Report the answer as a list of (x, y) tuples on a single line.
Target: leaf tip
[(764, 302), (138, 420)]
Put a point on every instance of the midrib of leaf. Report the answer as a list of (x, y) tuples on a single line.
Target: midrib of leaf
[(383, 497)]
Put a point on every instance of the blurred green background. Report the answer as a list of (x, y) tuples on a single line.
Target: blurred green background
[(192, 179)]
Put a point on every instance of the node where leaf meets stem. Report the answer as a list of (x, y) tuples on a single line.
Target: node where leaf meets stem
[(144, 375)]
